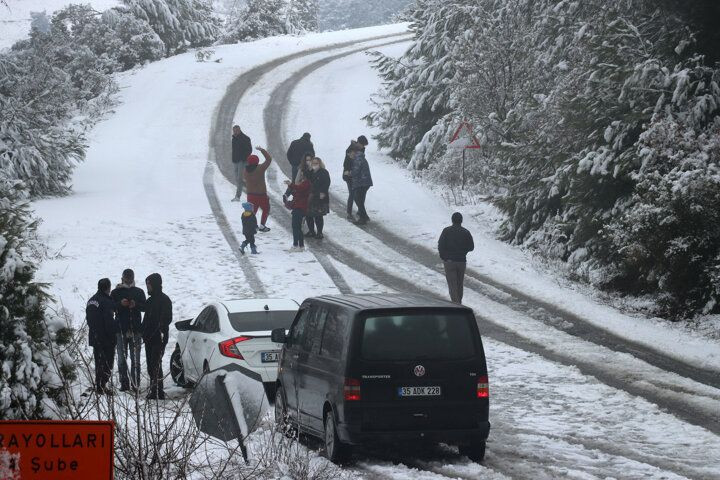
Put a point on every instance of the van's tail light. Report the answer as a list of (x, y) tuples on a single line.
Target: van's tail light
[(229, 347), (483, 387), (352, 389)]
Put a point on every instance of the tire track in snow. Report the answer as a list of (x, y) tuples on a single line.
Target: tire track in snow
[(552, 315)]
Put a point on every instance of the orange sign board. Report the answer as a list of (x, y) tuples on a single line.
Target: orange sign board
[(57, 450)]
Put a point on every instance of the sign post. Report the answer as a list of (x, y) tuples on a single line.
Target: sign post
[(60, 450), (465, 136)]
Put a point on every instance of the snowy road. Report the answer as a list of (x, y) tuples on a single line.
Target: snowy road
[(307, 100), (568, 401)]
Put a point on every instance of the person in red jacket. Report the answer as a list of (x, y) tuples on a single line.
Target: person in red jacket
[(300, 190)]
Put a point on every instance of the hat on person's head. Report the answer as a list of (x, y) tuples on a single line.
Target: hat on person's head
[(247, 206), (253, 160), (457, 218), (306, 136), (362, 140), (128, 274)]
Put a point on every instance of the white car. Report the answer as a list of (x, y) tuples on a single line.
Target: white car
[(235, 332)]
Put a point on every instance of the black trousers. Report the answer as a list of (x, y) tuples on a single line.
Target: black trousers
[(360, 194), (351, 197), (104, 356), (153, 355), (315, 224), (249, 240)]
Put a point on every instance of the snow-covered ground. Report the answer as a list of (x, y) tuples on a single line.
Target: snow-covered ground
[(15, 18), (139, 202)]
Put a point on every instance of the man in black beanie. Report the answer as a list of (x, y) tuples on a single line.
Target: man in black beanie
[(155, 330), (454, 244), (99, 314)]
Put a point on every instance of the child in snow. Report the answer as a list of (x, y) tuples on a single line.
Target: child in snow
[(250, 228)]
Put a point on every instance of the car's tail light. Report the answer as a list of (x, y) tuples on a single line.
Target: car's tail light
[(229, 347), (483, 387), (352, 389)]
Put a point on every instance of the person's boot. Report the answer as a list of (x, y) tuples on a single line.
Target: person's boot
[(263, 228), (310, 234), (319, 236), (253, 249), (242, 248)]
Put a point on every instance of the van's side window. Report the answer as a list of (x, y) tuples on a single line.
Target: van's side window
[(314, 328), (333, 334), (298, 330)]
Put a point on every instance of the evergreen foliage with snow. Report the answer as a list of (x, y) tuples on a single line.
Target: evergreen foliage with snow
[(599, 125), (266, 18), (34, 365), (342, 14), (180, 24)]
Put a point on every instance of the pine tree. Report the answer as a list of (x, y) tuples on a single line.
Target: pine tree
[(180, 24), (32, 343), (258, 19), (302, 16)]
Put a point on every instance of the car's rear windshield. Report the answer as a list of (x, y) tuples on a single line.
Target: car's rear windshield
[(261, 321), (418, 336)]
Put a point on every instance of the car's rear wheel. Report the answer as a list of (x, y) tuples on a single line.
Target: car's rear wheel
[(282, 419), (475, 450), (335, 450), (177, 370)]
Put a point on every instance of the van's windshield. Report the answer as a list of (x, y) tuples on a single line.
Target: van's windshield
[(418, 337)]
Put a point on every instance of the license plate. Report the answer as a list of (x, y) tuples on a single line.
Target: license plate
[(267, 357), (419, 391)]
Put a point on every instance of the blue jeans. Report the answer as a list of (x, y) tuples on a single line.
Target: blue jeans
[(129, 342), (239, 170), (351, 197), (297, 222)]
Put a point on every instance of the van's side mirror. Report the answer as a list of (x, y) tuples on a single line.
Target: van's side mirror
[(183, 325), (278, 335)]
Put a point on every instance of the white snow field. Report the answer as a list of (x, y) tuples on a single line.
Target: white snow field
[(15, 18), (139, 202)]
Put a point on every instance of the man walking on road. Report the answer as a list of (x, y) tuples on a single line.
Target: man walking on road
[(129, 302), (454, 244), (241, 149), (256, 186), (296, 153), (102, 330), (155, 331)]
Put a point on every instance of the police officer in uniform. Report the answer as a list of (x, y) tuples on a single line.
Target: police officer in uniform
[(99, 314)]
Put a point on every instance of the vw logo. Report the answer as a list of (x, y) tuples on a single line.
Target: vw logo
[(419, 370)]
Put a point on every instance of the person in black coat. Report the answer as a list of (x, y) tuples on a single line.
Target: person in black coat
[(297, 151), (249, 228), (319, 204), (348, 165), (129, 303), (99, 314), (155, 331), (241, 150), (453, 246)]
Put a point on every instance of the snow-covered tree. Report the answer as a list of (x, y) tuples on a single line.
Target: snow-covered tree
[(342, 14), (180, 24), (301, 16), (257, 19), (33, 357)]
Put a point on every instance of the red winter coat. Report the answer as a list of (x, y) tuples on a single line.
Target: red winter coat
[(301, 193)]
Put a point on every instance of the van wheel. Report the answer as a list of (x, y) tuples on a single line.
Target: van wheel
[(335, 450), (282, 419), (177, 370), (475, 450)]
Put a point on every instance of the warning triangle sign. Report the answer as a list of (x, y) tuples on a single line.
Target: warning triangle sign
[(469, 135)]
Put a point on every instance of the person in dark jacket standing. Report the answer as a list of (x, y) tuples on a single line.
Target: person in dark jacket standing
[(129, 303), (454, 244), (249, 228), (297, 151), (361, 183), (155, 331), (99, 314), (319, 204), (241, 150)]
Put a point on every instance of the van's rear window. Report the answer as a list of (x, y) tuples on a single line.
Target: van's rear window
[(418, 336), (261, 321)]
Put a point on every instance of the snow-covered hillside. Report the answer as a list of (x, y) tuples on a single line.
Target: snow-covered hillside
[(15, 18)]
